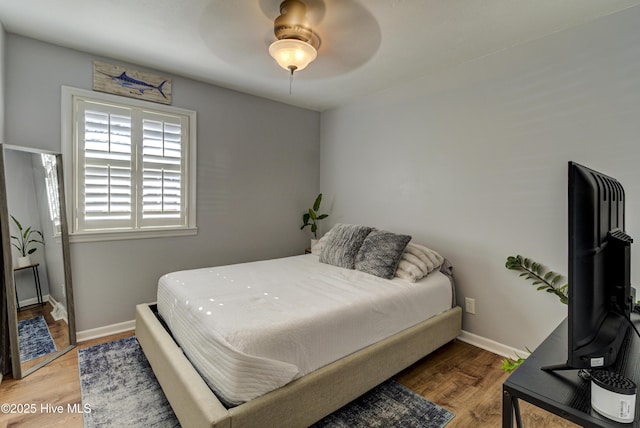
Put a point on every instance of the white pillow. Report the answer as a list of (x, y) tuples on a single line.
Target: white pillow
[(417, 262)]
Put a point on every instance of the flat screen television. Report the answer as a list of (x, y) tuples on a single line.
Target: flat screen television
[(599, 270)]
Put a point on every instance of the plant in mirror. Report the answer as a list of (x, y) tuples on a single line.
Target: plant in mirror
[(25, 242), (38, 293)]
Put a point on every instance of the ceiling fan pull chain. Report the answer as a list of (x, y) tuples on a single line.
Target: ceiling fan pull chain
[(292, 68)]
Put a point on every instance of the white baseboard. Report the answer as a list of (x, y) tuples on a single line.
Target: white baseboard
[(491, 345), (51, 300), (33, 301), (94, 333), (59, 312)]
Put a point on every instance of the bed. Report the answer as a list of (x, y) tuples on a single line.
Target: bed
[(268, 369)]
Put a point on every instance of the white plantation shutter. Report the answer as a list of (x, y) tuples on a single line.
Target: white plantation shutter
[(162, 169), (131, 167), (105, 188)]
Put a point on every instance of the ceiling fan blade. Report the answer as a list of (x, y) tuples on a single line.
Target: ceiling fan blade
[(350, 36), (234, 32)]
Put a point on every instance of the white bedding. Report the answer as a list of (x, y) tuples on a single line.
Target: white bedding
[(253, 327)]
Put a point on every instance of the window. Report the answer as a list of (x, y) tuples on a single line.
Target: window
[(133, 166), (51, 183)]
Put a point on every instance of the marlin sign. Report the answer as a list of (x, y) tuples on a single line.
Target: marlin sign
[(115, 79)]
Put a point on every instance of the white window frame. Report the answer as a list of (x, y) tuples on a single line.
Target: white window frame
[(72, 169), (50, 166)]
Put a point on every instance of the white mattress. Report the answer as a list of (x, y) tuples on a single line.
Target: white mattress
[(253, 327)]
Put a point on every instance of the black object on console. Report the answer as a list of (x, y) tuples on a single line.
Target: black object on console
[(599, 270)]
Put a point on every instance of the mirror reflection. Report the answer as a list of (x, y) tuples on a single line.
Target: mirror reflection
[(41, 289)]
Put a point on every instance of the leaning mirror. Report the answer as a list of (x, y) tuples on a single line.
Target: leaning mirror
[(35, 257)]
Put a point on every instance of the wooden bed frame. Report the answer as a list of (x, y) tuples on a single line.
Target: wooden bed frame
[(301, 402)]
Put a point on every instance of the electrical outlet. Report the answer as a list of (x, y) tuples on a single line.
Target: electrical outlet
[(470, 305)]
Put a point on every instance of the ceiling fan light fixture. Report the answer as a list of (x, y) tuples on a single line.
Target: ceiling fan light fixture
[(292, 54)]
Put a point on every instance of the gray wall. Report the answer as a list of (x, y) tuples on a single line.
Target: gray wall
[(258, 170), (472, 161)]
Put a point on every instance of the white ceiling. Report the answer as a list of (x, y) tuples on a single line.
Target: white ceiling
[(367, 46)]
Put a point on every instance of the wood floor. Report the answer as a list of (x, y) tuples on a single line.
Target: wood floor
[(467, 381), (462, 378), (56, 384)]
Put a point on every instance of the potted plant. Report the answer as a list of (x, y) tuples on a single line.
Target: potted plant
[(546, 280), (311, 218), (25, 243)]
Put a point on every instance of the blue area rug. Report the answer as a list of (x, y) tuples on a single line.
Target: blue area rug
[(388, 405), (35, 339), (119, 387)]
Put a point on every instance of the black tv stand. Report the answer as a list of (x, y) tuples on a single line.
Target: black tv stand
[(561, 390)]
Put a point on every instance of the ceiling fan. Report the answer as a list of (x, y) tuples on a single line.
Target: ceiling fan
[(344, 33)]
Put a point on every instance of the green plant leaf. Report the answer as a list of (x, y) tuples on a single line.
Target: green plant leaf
[(17, 223), (532, 270), (312, 214), (322, 216), (509, 365), (316, 204)]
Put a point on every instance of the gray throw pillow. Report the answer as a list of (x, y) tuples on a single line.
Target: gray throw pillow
[(343, 245), (381, 252)]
